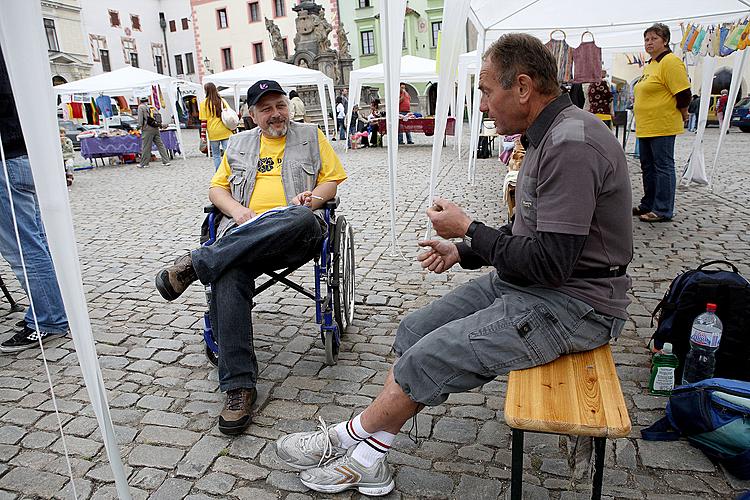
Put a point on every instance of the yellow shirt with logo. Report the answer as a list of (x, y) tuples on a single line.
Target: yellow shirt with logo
[(655, 106), (268, 192), (214, 126)]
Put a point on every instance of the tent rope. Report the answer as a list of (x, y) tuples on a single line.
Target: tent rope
[(36, 322)]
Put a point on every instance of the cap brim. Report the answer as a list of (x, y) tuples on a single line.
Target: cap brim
[(267, 91)]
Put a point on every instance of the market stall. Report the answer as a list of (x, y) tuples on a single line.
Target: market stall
[(93, 148)]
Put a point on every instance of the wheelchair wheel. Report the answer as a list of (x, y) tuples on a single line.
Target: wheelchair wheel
[(343, 275), (212, 356)]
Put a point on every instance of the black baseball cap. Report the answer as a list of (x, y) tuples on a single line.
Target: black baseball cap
[(261, 88)]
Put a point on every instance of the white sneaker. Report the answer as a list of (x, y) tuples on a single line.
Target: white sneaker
[(304, 450), (346, 473)]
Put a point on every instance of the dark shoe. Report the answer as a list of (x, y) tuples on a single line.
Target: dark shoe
[(410, 142), (638, 211), (235, 417), (27, 339), (21, 324), (175, 279), (652, 217)]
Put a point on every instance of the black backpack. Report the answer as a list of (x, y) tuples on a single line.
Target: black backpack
[(687, 298)]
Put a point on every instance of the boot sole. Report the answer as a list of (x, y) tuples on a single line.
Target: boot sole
[(370, 491), (162, 285)]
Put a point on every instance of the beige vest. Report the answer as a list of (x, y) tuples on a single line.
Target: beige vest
[(299, 171)]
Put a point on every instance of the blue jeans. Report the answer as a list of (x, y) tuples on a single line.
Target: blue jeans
[(230, 266), (217, 151), (693, 122), (43, 287), (341, 127), (659, 179), (401, 134)]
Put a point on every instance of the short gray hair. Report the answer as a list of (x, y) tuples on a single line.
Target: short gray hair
[(519, 53)]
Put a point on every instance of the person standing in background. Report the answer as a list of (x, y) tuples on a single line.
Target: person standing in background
[(341, 117), (210, 112), (297, 110), (149, 125), (662, 97), (693, 110), (404, 108), (721, 106)]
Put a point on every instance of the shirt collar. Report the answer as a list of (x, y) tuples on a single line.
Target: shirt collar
[(661, 56), (539, 128)]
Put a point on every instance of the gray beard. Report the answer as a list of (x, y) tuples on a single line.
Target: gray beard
[(271, 132)]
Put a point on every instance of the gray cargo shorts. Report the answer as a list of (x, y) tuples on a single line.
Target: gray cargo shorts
[(487, 328)]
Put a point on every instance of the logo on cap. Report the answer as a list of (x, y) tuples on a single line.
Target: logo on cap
[(263, 86)]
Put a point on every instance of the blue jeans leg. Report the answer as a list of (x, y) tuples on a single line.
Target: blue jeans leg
[(231, 265), (217, 151), (43, 286), (341, 127), (662, 149), (648, 173)]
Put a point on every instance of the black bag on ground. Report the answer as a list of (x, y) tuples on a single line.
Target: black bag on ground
[(483, 149), (687, 297)]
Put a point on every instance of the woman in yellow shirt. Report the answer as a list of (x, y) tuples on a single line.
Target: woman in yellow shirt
[(210, 112), (662, 96)]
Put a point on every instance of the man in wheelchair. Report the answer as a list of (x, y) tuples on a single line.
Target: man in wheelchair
[(270, 186)]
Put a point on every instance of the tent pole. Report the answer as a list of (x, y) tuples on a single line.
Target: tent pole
[(475, 114)]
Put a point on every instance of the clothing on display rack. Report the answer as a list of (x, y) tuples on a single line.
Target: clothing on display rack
[(587, 61), (576, 95), (122, 103), (563, 54), (600, 99), (104, 103), (76, 110)]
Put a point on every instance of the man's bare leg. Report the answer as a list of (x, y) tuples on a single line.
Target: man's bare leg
[(390, 410)]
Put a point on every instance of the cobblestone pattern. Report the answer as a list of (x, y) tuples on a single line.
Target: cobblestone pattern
[(163, 393)]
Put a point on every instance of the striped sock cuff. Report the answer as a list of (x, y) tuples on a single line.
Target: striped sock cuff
[(350, 429), (377, 445)]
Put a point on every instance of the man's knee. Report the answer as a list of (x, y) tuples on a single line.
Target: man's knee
[(408, 332)]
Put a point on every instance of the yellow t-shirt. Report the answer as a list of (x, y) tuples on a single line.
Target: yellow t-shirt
[(655, 106), (268, 192), (214, 126)]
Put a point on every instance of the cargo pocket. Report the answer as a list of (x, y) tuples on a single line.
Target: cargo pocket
[(238, 185), (304, 176), (542, 332)]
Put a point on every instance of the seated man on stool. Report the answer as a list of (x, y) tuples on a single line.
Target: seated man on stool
[(559, 283), (278, 164)]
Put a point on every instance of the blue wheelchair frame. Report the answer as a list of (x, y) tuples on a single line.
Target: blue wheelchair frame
[(324, 313)]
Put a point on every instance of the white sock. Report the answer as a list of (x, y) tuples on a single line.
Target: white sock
[(373, 448), (351, 432)]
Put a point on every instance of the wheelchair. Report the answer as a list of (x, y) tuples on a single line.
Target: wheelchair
[(333, 291)]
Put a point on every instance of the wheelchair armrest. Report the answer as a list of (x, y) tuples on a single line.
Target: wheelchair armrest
[(209, 208), (333, 204)]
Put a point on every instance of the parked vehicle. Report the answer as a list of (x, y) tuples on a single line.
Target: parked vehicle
[(126, 122), (72, 129), (741, 115)]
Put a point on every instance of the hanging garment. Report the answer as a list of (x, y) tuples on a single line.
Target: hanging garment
[(698, 41), (76, 110), (88, 113), (67, 111), (122, 103), (563, 54), (723, 49), (104, 103), (685, 33), (587, 61), (600, 98), (162, 101), (576, 95)]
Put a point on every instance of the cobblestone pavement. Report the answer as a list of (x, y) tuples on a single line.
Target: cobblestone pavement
[(163, 393)]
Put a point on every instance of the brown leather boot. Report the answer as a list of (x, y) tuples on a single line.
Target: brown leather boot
[(235, 417), (175, 279)]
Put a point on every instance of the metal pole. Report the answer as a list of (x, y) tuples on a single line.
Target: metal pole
[(516, 467), (600, 444)]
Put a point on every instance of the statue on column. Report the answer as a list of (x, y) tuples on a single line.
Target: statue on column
[(343, 43), (321, 31), (277, 42)]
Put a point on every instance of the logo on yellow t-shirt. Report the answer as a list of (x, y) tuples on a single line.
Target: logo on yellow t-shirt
[(266, 164)]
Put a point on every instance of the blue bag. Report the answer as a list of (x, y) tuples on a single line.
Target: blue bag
[(714, 416)]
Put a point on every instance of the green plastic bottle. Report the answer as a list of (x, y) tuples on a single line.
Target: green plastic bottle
[(663, 366)]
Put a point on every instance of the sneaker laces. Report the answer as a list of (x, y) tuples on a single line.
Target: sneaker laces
[(313, 441)]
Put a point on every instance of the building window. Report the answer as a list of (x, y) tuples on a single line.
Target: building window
[(135, 21), (114, 18), (98, 43), (258, 52), (226, 58), (278, 8), (189, 65), (172, 26), (134, 59), (286, 47), (403, 38), (49, 28), (104, 56), (178, 65), (364, 3), (436, 27), (130, 51), (221, 19), (184, 23), (253, 12), (368, 43), (159, 64)]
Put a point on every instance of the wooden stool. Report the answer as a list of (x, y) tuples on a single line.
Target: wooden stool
[(577, 394)]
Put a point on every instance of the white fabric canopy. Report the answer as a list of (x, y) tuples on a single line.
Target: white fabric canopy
[(129, 80), (28, 66), (287, 75)]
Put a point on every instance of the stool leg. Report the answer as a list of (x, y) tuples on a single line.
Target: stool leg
[(600, 444), (516, 467)]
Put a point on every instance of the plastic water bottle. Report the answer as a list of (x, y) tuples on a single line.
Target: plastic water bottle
[(704, 342)]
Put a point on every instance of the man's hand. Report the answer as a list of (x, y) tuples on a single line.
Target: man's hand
[(440, 256), (448, 219), (242, 214), (304, 199)]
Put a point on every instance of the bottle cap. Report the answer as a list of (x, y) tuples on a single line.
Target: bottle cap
[(711, 307), (667, 349)]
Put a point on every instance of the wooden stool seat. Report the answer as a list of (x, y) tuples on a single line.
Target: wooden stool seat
[(577, 394)]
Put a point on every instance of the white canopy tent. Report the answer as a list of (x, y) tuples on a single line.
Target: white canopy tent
[(287, 75), (28, 67), (129, 80), (614, 30)]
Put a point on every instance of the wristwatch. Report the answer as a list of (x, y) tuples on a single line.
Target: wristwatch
[(470, 232)]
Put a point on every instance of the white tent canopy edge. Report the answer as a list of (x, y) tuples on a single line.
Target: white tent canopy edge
[(30, 71)]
